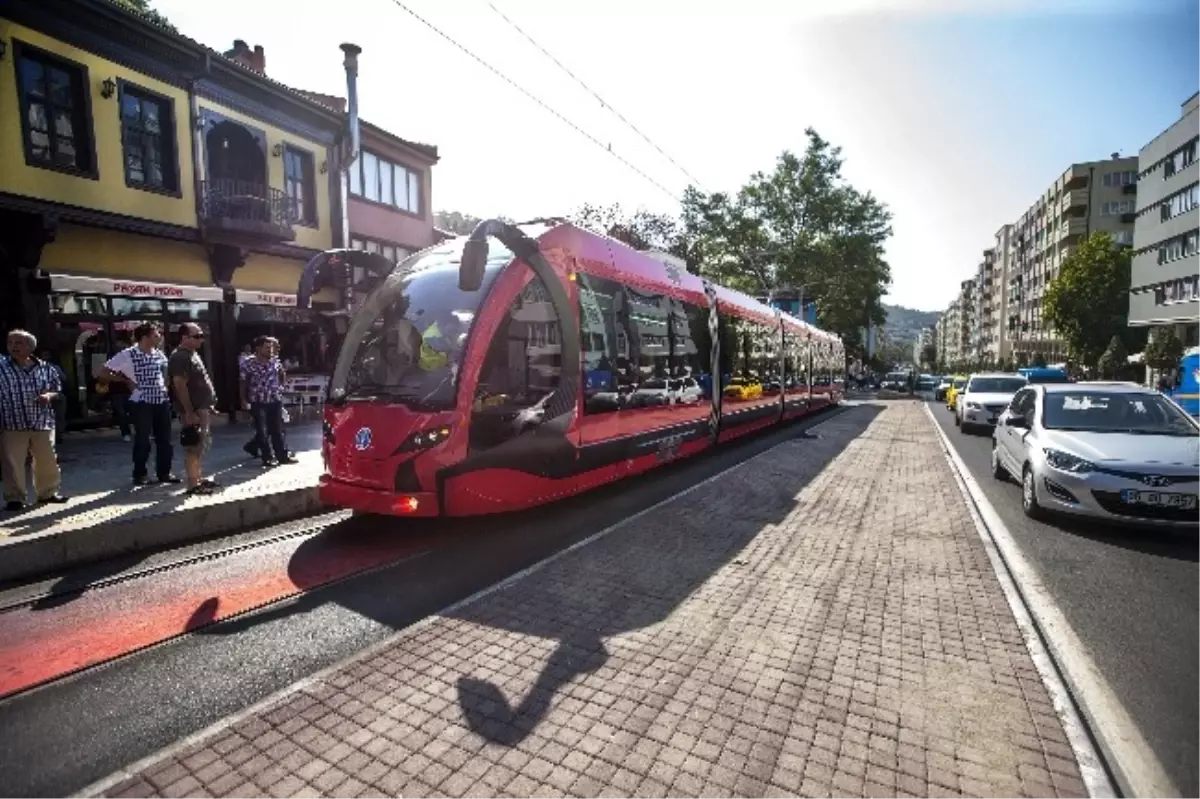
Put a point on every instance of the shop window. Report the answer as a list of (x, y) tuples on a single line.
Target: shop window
[(180, 311), (148, 139), (55, 112), (135, 306), (300, 185), (66, 304)]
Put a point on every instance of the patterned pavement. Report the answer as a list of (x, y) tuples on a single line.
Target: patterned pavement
[(821, 620)]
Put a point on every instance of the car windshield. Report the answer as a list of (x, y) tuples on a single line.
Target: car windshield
[(996, 385), (959, 382), (1116, 412), (406, 341)]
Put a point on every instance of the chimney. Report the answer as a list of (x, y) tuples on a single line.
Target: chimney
[(1116, 156), (241, 53)]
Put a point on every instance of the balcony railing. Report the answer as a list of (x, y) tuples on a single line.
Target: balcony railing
[(242, 210)]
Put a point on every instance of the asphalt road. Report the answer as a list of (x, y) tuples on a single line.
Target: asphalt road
[(1130, 596), (66, 734)]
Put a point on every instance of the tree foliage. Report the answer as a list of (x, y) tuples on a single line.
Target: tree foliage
[(1163, 350), (1088, 302), (143, 8), (458, 222), (929, 354), (799, 226), (641, 229), (1115, 359)]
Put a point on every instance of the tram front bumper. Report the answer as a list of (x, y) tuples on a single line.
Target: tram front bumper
[(369, 500)]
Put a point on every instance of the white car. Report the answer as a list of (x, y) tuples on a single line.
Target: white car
[(1121, 453), (981, 400)]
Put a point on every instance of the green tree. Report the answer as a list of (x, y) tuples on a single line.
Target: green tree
[(142, 7), (929, 355), (799, 226), (1088, 303), (641, 229), (1115, 359), (1163, 350)]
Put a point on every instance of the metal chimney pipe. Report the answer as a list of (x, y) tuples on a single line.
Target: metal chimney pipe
[(349, 159)]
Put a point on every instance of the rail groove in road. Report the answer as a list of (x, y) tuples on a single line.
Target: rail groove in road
[(69, 631), (71, 590), (1106, 601)]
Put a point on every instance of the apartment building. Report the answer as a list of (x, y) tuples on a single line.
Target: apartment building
[(987, 310), (949, 340), (1086, 198), (997, 348), (1164, 289), (968, 315), (923, 340)]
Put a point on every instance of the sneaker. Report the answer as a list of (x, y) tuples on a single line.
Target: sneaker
[(289, 459), (54, 499), (209, 482), (14, 505), (170, 478), (270, 464), (141, 481), (250, 450)]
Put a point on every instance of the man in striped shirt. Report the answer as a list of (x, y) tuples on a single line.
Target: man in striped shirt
[(28, 390)]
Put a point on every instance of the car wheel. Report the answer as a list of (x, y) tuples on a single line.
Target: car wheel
[(998, 470), (966, 429), (1029, 502), (957, 421)]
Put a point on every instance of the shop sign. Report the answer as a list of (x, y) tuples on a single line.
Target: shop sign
[(133, 288), (266, 298)]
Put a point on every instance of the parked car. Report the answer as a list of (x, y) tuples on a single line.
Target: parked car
[(895, 381), (984, 397), (926, 383), (1110, 451)]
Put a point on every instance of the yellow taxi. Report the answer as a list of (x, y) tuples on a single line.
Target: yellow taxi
[(741, 388), (957, 384)]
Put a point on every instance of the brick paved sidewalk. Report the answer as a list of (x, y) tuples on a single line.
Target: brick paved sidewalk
[(822, 620)]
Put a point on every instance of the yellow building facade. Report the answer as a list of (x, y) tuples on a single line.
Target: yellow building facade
[(145, 177)]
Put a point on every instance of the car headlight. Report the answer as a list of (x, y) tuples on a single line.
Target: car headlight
[(1066, 462), (974, 406)]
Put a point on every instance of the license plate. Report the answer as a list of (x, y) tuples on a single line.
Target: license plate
[(1160, 499)]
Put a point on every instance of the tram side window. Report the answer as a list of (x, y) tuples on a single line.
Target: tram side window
[(523, 364), (691, 345), (604, 344), (733, 349)]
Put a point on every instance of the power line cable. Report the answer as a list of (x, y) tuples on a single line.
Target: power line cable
[(608, 148), (593, 92)]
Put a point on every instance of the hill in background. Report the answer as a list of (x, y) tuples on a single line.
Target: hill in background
[(903, 326)]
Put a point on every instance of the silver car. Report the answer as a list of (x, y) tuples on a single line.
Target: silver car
[(1118, 452)]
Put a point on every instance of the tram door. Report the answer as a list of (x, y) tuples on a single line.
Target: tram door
[(520, 372)]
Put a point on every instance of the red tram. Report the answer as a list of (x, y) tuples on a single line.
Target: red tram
[(523, 364)]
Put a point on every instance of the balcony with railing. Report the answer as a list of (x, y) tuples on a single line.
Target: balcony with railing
[(243, 213)]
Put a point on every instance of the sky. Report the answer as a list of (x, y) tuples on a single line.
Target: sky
[(956, 113)]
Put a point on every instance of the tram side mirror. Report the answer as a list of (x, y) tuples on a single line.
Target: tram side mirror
[(473, 264)]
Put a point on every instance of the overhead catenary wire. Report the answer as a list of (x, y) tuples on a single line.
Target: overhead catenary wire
[(606, 147), (604, 103)]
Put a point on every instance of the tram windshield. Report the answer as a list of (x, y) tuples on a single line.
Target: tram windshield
[(407, 340)]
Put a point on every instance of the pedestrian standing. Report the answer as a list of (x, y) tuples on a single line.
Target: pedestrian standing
[(28, 390), (262, 394), (142, 369), (195, 399)]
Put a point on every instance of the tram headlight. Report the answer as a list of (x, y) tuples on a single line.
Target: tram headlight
[(424, 439)]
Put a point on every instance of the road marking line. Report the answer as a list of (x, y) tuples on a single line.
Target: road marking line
[(100, 786), (1089, 709)]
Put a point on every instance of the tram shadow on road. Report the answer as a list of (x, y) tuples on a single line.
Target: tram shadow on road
[(636, 577), (626, 582)]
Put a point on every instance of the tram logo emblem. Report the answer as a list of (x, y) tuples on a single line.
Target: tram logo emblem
[(362, 439)]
